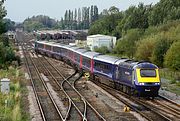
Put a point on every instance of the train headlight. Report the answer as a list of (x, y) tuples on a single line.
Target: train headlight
[(157, 83), (141, 83)]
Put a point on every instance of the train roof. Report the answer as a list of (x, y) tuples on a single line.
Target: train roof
[(80, 51), (59, 45), (90, 54), (70, 47), (107, 58), (128, 64), (46, 42), (131, 64), (74, 48), (121, 60)]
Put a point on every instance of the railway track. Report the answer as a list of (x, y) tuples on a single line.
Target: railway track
[(166, 107), (83, 107), (48, 108), (76, 102), (54, 81), (146, 110)]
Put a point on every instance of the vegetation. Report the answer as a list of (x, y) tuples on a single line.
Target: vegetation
[(38, 22), (11, 104), (102, 50), (2, 15), (79, 19), (144, 32), (73, 20), (7, 54), (126, 46), (172, 58), (170, 81), (9, 25)]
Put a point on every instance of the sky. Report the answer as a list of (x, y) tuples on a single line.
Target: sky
[(19, 10)]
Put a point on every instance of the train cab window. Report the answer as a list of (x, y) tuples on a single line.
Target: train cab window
[(148, 73)]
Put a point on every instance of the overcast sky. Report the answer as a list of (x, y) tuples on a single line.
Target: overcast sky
[(18, 10)]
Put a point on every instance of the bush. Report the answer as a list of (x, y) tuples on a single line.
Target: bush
[(172, 57), (127, 45), (145, 48), (160, 50), (102, 50), (7, 54)]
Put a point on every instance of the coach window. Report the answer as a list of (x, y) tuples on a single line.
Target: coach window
[(86, 62), (63, 51), (78, 58), (48, 47), (75, 57), (101, 66), (41, 46)]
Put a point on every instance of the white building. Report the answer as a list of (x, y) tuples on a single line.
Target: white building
[(11, 35), (99, 40)]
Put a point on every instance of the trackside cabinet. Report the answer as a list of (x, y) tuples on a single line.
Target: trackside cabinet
[(5, 85)]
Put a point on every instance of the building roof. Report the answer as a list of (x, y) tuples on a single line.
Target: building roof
[(98, 35)]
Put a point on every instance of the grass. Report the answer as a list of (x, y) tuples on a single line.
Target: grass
[(169, 74), (11, 104), (170, 80)]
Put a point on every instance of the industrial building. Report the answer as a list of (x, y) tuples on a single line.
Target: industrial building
[(61, 36), (97, 41)]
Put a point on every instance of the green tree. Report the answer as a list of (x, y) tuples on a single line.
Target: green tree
[(39, 22), (96, 13), (62, 23), (105, 12), (66, 17), (164, 11), (92, 14), (7, 54), (106, 25), (113, 10), (103, 50), (3, 13), (160, 50), (9, 25), (2, 56), (172, 57), (145, 48), (79, 19), (136, 17), (127, 45), (5, 41)]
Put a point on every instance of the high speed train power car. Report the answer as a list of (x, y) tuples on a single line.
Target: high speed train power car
[(141, 78)]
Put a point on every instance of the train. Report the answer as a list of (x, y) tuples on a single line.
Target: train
[(139, 78)]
